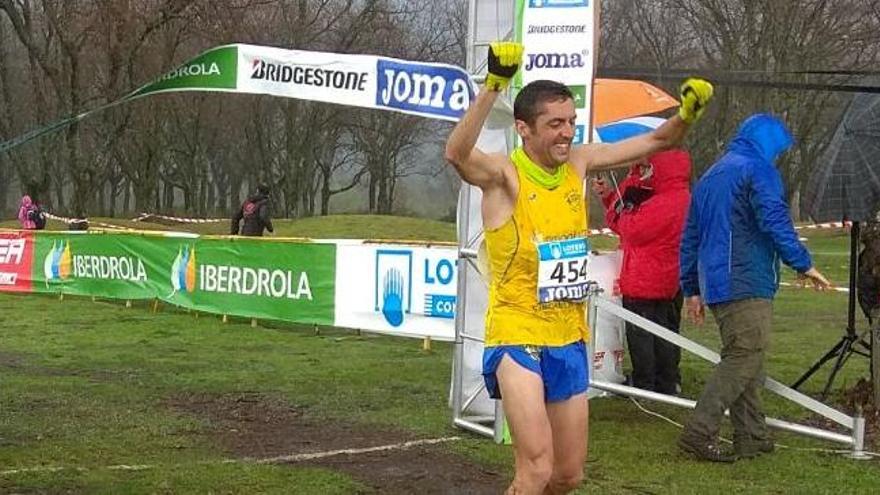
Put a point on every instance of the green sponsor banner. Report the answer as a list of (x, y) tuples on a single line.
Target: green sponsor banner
[(216, 69), (243, 277), (114, 266), (254, 278)]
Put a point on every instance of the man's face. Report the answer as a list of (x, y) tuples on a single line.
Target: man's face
[(548, 141)]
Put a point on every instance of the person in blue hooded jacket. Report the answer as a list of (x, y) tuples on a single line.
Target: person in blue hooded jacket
[(737, 231)]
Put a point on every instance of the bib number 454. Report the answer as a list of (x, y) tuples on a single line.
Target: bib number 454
[(569, 272)]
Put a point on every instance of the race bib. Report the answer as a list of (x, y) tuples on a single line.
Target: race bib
[(562, 270)]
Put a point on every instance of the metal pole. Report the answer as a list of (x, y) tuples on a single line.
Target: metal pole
[(460, 311), (855, 424)]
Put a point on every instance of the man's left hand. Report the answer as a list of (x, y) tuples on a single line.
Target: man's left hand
[(695, 310), (695, 95)]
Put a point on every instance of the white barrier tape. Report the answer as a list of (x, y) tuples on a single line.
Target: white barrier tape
[(828, 225), (66, 220), (268, 460), (145, 216), (367, 450), (69, 221)]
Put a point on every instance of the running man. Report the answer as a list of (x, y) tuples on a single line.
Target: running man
[(535, 227)]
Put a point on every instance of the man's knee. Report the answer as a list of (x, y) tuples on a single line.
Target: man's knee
[(566, 481), (537, 467)]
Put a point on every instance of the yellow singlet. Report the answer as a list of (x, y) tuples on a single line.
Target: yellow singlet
[(515, 315)]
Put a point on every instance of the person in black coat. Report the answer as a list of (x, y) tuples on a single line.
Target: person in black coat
[(255, 213)]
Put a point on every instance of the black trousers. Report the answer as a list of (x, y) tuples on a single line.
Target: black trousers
[(654, 360)]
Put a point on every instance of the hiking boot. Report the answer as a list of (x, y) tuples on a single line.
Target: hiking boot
[(705, 450), (751, 447)]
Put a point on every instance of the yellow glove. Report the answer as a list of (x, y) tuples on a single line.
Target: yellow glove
[(695, 95), (504, 60)]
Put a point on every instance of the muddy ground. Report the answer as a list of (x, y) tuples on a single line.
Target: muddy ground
[(255, 426)]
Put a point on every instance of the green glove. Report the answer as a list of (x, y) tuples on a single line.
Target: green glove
[(695, 95), (504, 60)]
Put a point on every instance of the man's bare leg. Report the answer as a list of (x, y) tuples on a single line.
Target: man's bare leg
[(569, 421), (522, 393)]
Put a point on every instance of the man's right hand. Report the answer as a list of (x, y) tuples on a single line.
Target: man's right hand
[(695, 310), (817, 279), (503, 61)]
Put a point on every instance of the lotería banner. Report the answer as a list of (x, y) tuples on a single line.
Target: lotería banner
[(559, 36), (397, 289)]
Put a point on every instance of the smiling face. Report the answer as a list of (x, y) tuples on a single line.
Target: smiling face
[(548, 139)]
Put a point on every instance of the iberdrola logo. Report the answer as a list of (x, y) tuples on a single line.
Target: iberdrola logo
[(183, 271), (57, 265)]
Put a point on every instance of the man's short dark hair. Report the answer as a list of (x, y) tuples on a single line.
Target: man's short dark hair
[(263, 189), (527, 105)]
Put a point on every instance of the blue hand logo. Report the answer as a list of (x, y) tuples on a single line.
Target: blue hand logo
[(392, 297)]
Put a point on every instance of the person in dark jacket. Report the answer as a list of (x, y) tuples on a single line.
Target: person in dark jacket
[(648, 213), (255, 213), (738, 228)]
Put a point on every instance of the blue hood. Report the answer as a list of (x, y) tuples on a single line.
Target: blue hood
[(762, 133)]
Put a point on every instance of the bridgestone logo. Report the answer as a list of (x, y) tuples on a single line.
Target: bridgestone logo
[(558, 29), (309, 76), (254, 281)]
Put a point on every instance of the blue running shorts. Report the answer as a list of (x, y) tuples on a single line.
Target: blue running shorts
[(563, 369)]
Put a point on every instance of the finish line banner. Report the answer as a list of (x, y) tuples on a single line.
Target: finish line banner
[(429, 90), (436, 91)]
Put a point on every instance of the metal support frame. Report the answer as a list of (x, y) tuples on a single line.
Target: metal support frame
[(855, 424), (493, 426)]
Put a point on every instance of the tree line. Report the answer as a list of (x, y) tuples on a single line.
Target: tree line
[(199, 153)]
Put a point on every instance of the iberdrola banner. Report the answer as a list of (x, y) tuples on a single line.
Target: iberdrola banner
[(293, 281), (244, 277), (431, 90)]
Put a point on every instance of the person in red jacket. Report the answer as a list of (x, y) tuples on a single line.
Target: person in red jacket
[(648, 212)]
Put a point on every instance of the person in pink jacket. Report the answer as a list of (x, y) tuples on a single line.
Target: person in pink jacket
[(30, 215)]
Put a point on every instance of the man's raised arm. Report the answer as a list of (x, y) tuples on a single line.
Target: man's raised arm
[(695, 95), (474, 166)]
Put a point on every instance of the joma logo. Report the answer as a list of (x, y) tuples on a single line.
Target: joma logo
[(556, 60)]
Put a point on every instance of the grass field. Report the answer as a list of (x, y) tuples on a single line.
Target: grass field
[(99, 398)]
